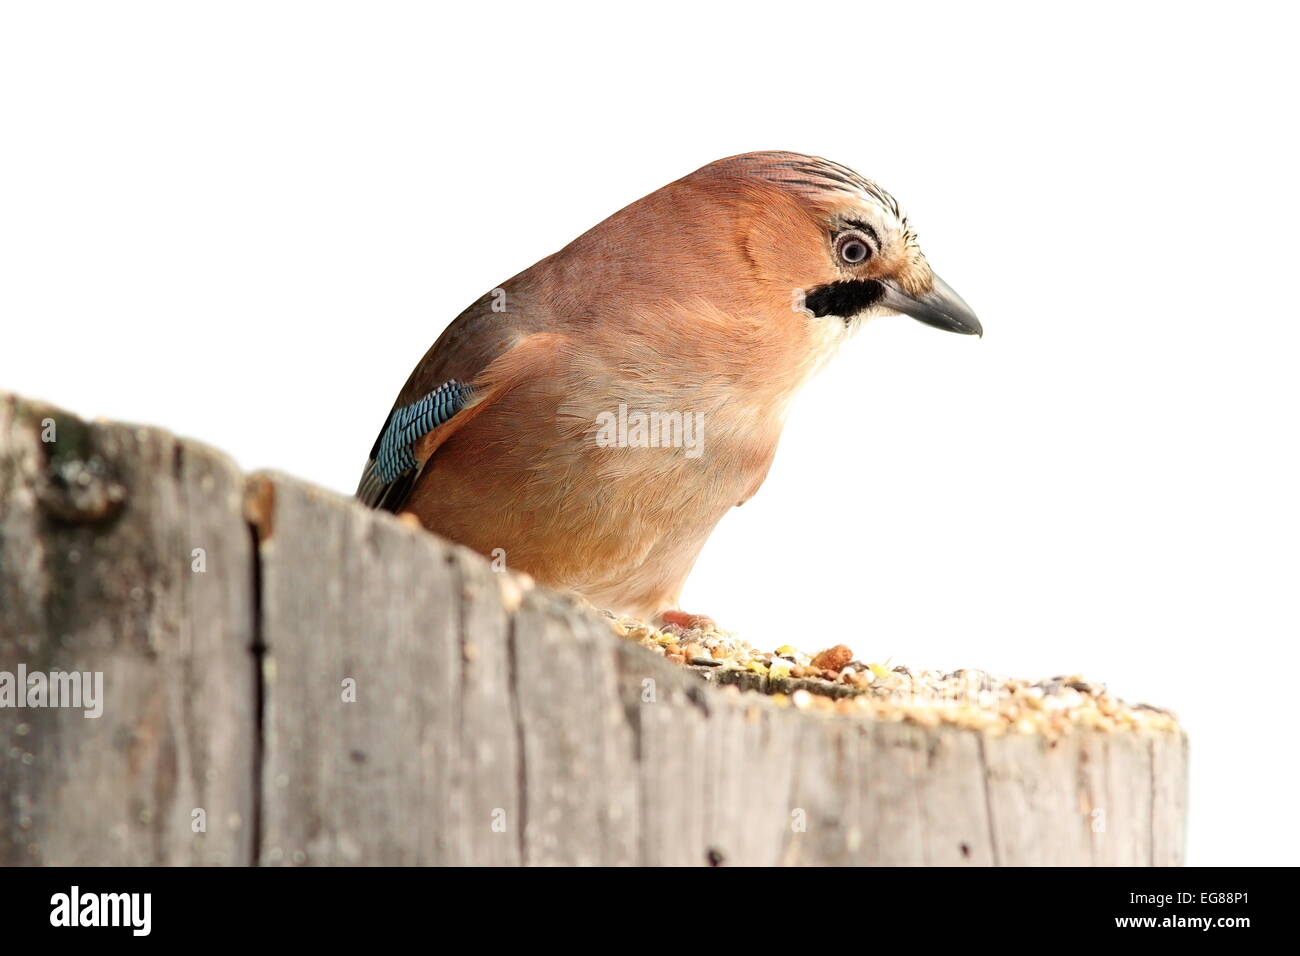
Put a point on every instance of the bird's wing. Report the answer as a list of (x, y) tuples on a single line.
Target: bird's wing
[(393, 466), (477, 359)]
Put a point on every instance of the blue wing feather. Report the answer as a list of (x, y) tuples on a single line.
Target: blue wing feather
[(392, 464)]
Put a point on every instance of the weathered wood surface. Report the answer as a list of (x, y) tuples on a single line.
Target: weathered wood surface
[(338, 687), (97, 536)]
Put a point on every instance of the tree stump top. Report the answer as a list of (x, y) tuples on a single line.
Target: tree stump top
[(289, 678)]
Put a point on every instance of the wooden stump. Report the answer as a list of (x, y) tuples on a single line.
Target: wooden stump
[(321, 684)]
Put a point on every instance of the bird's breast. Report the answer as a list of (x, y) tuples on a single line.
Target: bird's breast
[(617, 462)]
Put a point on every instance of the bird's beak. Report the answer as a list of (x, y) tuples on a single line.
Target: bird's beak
[(940, 307)]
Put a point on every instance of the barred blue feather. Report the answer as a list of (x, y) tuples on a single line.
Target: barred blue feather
[(408, 424)]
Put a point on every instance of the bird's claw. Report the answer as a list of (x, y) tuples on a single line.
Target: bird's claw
[(686, 621)]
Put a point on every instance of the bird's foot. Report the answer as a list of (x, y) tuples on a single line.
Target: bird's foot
[(686, 621)]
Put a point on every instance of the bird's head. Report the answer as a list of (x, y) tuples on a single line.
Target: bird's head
[(830, 242)]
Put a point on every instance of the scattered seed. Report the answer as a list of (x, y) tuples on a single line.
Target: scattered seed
[(964, 697), (833, 658)]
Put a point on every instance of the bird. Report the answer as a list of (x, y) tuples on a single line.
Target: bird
[(590, 420)]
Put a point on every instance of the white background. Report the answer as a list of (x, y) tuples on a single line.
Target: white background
[(246, 222)]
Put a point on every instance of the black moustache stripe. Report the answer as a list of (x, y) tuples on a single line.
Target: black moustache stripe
[(845, 298)]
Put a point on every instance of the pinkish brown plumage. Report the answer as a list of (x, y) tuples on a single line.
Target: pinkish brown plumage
[(715, 296)]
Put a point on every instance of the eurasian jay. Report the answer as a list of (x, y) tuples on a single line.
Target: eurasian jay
[(595, 416)]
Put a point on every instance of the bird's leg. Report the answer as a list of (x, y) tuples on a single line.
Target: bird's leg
[(686, 621)]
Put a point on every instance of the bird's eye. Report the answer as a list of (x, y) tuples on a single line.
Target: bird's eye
[(852, 248)]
